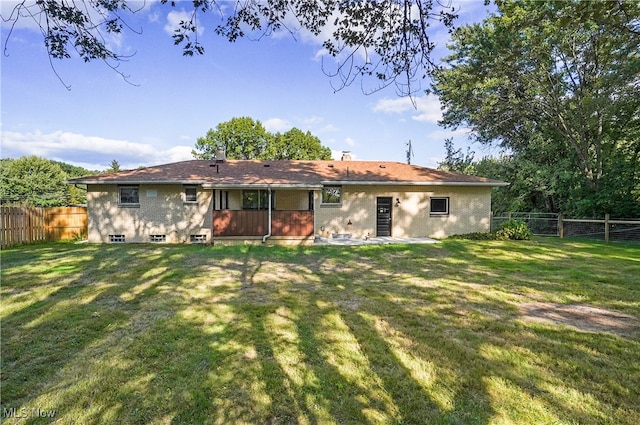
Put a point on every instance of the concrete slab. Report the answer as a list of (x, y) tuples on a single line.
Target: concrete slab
[(382, 240)]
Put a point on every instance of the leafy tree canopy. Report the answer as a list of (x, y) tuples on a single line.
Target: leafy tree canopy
[(296, 144), (556, 84), (32, 181), (244, 138), (387, 40), (35, 181)]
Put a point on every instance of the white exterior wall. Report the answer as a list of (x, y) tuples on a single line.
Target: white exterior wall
[(166, 213), (469, 211)]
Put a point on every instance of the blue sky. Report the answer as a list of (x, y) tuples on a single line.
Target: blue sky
[(173, 100)]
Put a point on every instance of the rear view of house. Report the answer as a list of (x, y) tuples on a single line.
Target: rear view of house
[(209, 201)]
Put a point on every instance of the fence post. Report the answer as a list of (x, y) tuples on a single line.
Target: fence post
[(560, 226), (606, 228), (28, 222)]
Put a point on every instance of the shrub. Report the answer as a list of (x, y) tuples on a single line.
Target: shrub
[(514, 230)]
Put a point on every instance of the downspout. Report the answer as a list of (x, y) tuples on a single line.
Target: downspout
[(268, 235)]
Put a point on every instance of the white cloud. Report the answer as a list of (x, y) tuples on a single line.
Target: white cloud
[(425, 109), (329, 128), (391, 106), (444, 134), (80, 149), (317, 126), (173, 22), (314, 120), (277, 125), (350, 142)]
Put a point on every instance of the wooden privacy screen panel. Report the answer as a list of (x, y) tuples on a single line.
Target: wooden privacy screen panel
[(255, 223)]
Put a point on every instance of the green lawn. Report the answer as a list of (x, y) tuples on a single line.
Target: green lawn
[(395, 334)]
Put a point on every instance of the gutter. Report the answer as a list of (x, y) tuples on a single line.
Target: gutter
[(259, 185), (268, 235), (139, 182), (411, 183)]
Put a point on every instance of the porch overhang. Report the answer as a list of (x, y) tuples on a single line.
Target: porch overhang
[(298, 186)]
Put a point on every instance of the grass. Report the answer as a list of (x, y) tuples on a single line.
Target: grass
[(395, 334)]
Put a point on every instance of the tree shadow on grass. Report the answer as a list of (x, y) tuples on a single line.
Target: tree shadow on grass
[(43, 338), (282, 335)]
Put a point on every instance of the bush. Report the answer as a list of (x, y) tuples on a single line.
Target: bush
[(514, 230)]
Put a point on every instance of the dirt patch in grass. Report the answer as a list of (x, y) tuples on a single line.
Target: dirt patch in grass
[(582, 317)]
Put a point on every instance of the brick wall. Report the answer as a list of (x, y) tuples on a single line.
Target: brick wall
[(469, 211), (162, 211)]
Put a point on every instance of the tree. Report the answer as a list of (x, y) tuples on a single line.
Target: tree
[(295, 144), (244, 138), (388, 40), (74, 194), (455, 160), (32, 181), (114, 167), (557, 81)]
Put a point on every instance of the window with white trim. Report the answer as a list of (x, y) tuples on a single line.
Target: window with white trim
[(190, 194), (129, 196), (332, 195), (439, 206)]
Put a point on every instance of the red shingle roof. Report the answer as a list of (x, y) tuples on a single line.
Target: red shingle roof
[(286, 173)]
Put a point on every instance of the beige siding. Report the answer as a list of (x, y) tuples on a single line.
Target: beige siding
[(469, 211), (166, 213)]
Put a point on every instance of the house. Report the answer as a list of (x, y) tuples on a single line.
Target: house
[(216, 201)]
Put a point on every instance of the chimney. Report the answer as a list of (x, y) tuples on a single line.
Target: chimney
[(220, 154), (346, 156)]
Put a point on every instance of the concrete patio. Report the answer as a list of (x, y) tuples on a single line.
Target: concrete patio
[(381, 240)]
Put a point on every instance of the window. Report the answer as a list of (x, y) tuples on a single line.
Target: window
[(257, 200), (332, 194), (190, 194), (224, 199), (311, 201), (439, 206), (198, 238), (129, 195)]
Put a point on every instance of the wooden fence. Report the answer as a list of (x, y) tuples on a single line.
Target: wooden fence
[(20, 225)]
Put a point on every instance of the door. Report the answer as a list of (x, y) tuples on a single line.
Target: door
[(383, 216)]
